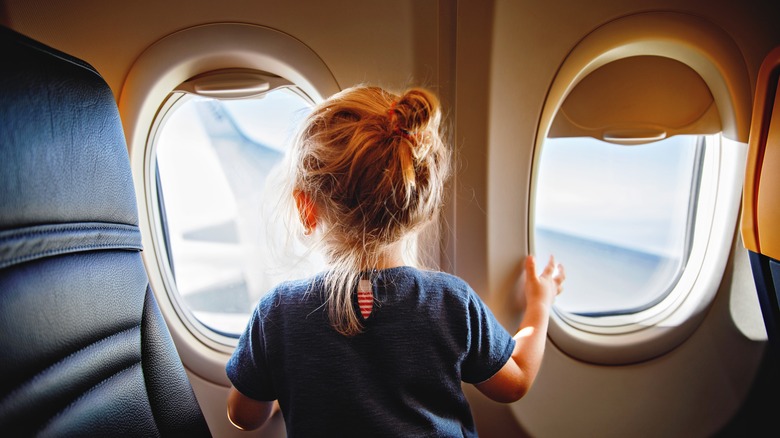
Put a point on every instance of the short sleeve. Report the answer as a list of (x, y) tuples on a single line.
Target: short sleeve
[(247, 368), (489, 345)]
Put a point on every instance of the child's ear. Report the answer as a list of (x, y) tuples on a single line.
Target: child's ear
[(307, 211)]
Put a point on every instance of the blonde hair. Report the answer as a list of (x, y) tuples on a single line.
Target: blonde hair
[(374, 165)]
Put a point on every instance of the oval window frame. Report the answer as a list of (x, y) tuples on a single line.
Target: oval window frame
[(711, 53), (159, 70)]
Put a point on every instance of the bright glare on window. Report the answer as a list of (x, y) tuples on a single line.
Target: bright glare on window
[(213, 161), (619, 217)]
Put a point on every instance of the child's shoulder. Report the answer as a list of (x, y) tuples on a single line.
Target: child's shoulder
[(445, 277), (443, 281), (292, 289), (296, 284)]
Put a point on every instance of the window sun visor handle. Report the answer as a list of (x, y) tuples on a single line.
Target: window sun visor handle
[(232, 84), (630, 137)]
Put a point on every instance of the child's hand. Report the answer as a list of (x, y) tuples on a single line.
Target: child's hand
[(545, 287)]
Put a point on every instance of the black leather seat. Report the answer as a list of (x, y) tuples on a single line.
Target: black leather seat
[(84, 349)]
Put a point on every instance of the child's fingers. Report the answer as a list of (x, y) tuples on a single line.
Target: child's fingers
[(549, 269), (561, 273), (552, 271), (559, 277), (530, 266)]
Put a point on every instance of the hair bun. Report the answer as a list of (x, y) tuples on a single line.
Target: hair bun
[(416, 110)]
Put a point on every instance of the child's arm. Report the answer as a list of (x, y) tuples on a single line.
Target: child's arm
[(247, 413), (515, 378)]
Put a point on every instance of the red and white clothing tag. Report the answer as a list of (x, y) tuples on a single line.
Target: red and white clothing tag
[(365, 298)]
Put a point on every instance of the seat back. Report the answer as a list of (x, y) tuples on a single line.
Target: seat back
[(761, 200), (84, 349)]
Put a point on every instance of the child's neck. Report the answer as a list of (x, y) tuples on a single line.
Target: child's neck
[(391, 258)]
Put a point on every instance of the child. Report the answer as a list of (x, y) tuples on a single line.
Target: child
[(374, 347)]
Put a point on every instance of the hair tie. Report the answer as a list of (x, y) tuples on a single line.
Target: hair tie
[(409, 135), (391, 113)]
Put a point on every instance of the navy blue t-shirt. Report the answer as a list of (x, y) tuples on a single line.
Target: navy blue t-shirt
[(401, 376)]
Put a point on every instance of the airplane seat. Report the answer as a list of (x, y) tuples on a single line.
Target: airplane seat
[(85, 350), (761, 198)]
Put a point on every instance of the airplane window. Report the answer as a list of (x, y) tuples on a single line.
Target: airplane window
[(213, 161), (620, 216)]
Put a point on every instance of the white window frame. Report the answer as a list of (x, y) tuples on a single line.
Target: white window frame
[(158, 71), (624, 338), (696, 43)]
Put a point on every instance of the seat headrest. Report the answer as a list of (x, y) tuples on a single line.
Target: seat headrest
[(760, 209), (63, 156)]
